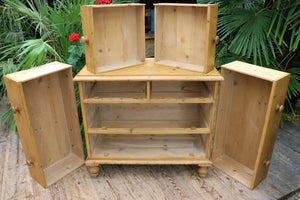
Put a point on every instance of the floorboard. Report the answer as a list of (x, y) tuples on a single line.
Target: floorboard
[(147, 182)]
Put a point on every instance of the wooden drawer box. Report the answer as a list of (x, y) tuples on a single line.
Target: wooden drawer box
[(250, 105), (185, 36), (114, 36), (44, 106)]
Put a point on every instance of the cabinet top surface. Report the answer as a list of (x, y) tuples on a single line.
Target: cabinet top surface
[(185, 5), (148, 71), (114, 5), (37, 72), (255, 71)]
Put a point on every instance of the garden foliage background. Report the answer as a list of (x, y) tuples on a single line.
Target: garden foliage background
[(35, 32)]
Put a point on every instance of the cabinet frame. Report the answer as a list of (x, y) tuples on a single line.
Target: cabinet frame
[(168, 78)]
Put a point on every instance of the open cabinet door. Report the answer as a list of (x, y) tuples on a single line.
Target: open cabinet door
[(44, 106), (250, 105)]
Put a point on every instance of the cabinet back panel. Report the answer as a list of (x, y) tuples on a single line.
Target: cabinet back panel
[(181, 34), (48, 119), (111, 89), (148, 115), (147, 147), (165, 89), (249, 97)]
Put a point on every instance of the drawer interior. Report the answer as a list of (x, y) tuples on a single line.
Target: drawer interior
[(115, 89), (148, 147), (148, 115), (150, 90), (178, 43), (242, 110), (181, 89)]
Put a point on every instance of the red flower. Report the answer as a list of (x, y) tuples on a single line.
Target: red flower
[(101, 2), (74, 37)]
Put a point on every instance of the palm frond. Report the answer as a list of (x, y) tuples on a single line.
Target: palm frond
[(286, 23), (35, 11), (248, 29)]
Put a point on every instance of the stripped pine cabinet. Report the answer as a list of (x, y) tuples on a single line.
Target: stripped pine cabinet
[(148, 114), (43, 103)]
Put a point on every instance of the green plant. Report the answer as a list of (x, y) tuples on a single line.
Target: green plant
[(265, 33), (124, 1), (36, 33), (77, 55)]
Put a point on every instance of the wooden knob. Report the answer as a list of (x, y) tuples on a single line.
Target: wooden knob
[(29, 162), (267, 163), (216, 39), (15, 109), (279, 108), (84, 40)]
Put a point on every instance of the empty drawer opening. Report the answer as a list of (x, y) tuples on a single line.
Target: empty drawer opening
[(157, 117), (148, 147), (182, 89), (114, 90)]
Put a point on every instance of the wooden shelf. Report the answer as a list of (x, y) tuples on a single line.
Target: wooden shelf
[(148, 72), (148, 130), (144, 148), (161, 100), (148, 92), (141, 118)]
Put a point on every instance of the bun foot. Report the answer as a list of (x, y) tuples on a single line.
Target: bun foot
[(202, 171), (94, 171)]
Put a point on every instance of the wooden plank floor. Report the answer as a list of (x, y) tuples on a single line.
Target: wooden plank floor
[(150, 182)]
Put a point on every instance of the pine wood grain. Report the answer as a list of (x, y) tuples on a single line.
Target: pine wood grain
[(78, 185), (17, 182), (127, 182), (149, 71), (116, 36), (3, 144), (184, 36)]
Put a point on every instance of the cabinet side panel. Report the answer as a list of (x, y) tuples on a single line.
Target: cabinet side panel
[(158, 39), (87, 26), (70, 109), (17, 100), (212, 118), (212, 20), (140, 21), (270, 130), (84, 117)]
